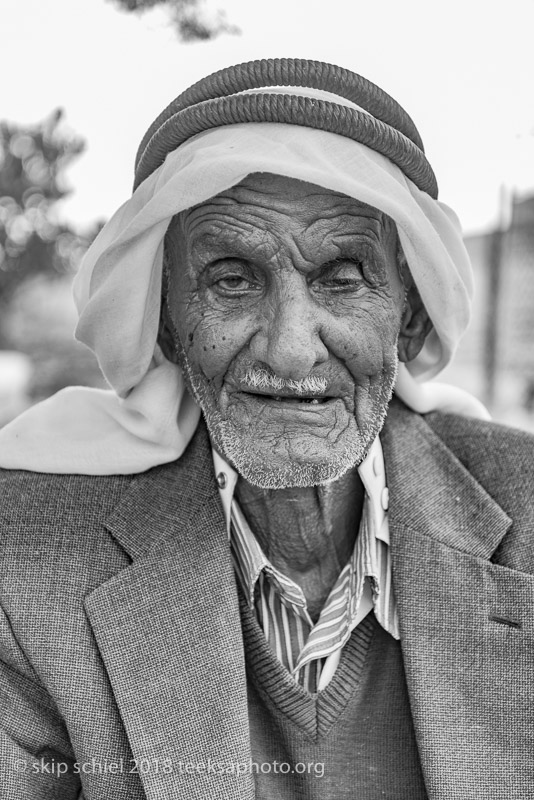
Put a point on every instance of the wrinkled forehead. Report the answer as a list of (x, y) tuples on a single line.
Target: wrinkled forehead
[(276, 203), (272, 185)]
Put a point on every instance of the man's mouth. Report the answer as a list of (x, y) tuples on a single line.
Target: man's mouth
[(308, 399), (313, 401)]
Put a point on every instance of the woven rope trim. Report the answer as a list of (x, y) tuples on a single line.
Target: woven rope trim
[(291, 72), (294, 110)]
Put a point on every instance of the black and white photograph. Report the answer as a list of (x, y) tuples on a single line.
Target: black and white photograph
[(266, 400)]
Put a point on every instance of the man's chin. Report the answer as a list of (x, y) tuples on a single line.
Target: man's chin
[(269, 470), (294, 475)]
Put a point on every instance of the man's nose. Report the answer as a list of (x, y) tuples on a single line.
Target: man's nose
[(289, 340)]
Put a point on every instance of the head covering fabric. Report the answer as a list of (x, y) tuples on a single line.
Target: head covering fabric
[(148, 418)]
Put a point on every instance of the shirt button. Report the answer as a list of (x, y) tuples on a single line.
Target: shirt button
[(385, 499), (222, 480)]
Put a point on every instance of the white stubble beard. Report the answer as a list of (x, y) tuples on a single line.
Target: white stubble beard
[(240, 447)]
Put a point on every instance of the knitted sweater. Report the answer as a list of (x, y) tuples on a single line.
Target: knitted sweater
[(353, 740)]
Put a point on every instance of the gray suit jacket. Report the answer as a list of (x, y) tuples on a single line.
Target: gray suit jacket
[(120, 636)]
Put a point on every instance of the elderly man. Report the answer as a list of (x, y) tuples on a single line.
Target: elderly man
[(247, 571)]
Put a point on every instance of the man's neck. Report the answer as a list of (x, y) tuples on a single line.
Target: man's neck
[(308, 534)]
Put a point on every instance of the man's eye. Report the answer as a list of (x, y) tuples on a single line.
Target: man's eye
[(233, 284), (344, 274), (348, 281)]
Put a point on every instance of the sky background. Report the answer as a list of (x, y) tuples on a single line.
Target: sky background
[(463, 70)]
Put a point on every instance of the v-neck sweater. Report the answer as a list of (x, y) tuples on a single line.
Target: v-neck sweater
[(353, 740)]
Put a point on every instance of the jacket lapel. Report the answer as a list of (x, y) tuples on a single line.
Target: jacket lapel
[(466, 623), (168, 630)]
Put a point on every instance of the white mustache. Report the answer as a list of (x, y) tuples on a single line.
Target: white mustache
[(261, 379)]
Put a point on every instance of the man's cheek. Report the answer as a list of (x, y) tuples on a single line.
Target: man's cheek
[(211, 347), (368, 356)]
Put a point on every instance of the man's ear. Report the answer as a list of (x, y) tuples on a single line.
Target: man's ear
[(415, 324), (165, 336), (166, 331)]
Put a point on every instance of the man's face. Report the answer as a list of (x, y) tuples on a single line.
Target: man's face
[(286, 301)]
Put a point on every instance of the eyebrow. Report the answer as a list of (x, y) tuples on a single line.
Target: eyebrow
[(230, 244)]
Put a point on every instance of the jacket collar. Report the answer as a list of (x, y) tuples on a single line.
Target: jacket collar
[(159, 502), (431, 491)]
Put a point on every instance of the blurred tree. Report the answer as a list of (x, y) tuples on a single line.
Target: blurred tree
[(33, 159), (190, 20)]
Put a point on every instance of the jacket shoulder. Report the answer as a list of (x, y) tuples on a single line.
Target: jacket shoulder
[(31, 500), (501, 459), (487, 448), (56, 523)]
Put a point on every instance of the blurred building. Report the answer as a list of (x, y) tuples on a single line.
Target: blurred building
[(496, 358)]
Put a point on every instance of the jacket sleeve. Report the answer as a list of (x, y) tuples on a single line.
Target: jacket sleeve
[(36, 757)]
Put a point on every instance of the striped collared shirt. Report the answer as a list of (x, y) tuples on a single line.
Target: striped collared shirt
[(311, 652)]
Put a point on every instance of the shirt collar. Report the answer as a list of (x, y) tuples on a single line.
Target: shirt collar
[(372, 472), (226, 478)]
